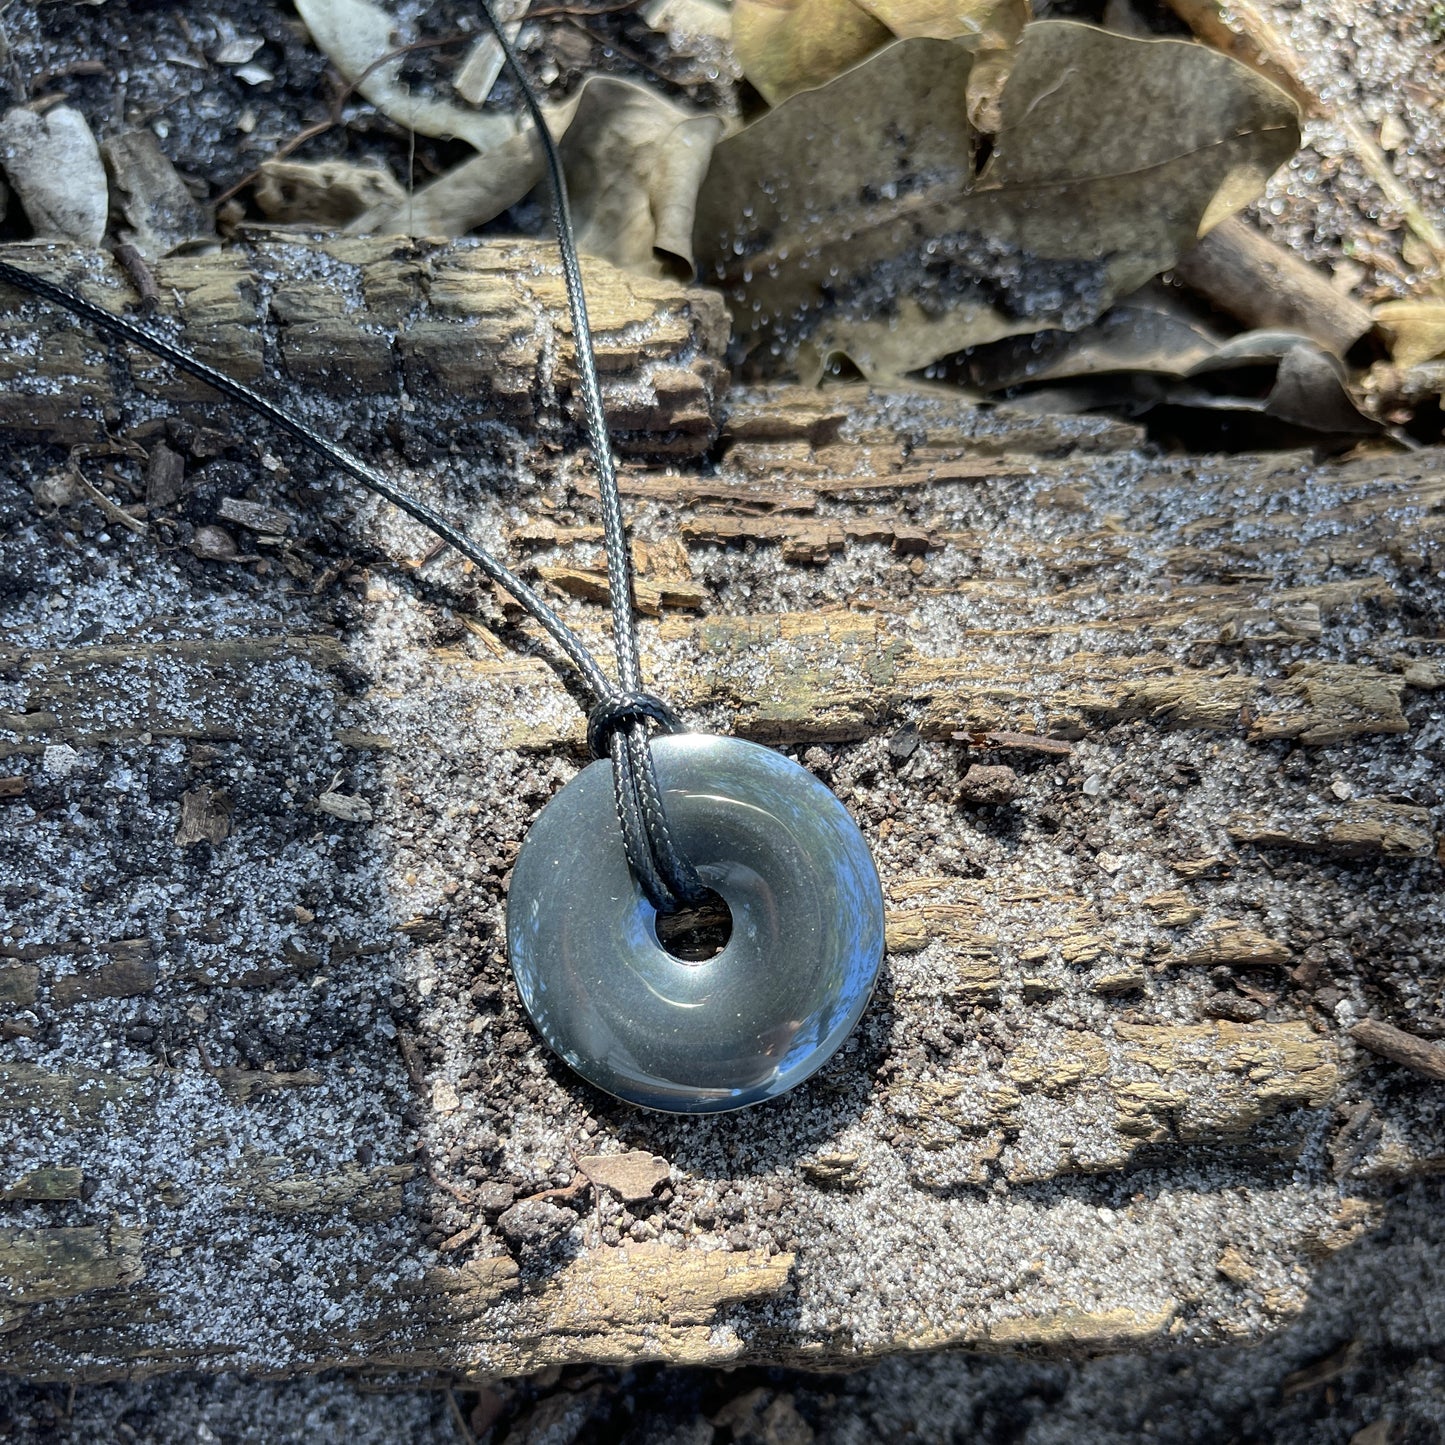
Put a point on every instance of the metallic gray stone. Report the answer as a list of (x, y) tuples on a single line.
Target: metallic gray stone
[(773, 1005)]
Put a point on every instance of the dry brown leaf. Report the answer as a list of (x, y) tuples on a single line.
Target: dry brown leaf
[(53, 163), (988, 28), (1309, 389), (1417, 329), (706, 20), (355, 35), (849, 221), (323, 193), (1152, 349), (1241, 29), (160, 212), (1150, 332), (468, 195), (785, 46), (634, 163)]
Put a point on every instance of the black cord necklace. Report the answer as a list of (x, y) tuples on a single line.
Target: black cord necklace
[(656, 824)]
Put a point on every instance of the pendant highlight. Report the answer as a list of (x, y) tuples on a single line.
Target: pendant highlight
[(764, 1013)]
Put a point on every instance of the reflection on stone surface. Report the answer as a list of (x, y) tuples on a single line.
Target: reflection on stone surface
[(764, 1013)]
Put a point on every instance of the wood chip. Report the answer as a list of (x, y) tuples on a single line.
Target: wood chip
[(1207, 867), (165, 476), (346, 806), (1323, 1371), (160, 212), (19, 985), (651, 597), (1226, 943), (1368, 827), (240, 1086), (256, 515), (205, 817), (632, 1177), (122, 978), (1174, 909)]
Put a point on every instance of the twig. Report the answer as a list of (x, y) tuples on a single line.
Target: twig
[(462, 1196), (109, 509), (566, 1192), (464, 1431), (140, 275), (616, 45), (1400, 1047), (582, 12), (461, 1237), (76, 67), (1262, 284)]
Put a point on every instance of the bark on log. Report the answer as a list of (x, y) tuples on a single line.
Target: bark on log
[(465, 335), (1145, 747)]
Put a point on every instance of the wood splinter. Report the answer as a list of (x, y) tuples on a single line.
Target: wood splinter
[(1421, 1055)]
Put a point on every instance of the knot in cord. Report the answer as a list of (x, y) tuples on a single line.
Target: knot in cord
[(617, 729), (666, 875), (622, 708)]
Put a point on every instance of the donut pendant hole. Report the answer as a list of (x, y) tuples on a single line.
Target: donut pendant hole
[(698, 932)]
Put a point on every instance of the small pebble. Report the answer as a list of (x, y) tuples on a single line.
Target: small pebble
[(989, 785), (213, 544), (535, 1223)]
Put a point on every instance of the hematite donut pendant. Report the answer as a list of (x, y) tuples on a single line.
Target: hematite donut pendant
[(764, 1013)]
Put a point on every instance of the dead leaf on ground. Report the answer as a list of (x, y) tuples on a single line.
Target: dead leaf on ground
[(1309, 388), (1150, 332), (1151, 351), (1417, 329), (355, 35), (54, 166), (785, 46), (634, 163), (470, 194), (324, 193), (160, 212), (849, 221), (1246, 31), (691, 20)]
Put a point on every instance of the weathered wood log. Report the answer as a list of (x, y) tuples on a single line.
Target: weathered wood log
[(1145, 747), (464, 334)]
